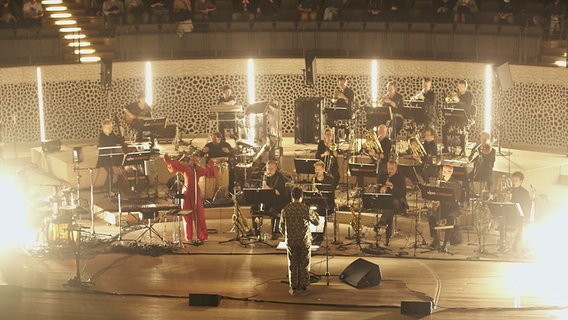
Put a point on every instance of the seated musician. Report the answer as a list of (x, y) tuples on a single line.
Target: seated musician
[(393, 183), (518, 194), (327, 152), (324, 182), (274, 180), (227, 99), (107, 138), (192, 199), (448, 210), (137, 111), (394, 100), (462, 99), (483, 158), (429, 168), (219, 151)]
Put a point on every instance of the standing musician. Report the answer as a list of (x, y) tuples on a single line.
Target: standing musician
[(324, 182), (483, 156), (343, 94), (294, 224), (462, 99), (273, 179), (220, 151), (427, 98), (381, 158), (137, 111), (429, 168), (192, 200), (518, 194), (327, 152), (448, 210), (393, 183), (394, 100)]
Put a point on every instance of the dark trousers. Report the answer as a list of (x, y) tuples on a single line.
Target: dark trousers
[(398, 207), (433, 221)]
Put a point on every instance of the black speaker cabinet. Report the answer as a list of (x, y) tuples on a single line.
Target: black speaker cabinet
[(307, 114), (310, 70), (421, 308), (361, 274), (503, 75), (51, 145), (204, 299), (106, 73)]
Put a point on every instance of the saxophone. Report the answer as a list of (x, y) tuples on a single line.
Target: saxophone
[(355, 221), (239, 221)]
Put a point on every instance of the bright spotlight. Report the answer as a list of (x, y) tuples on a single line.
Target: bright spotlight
[(149, 89), (374, 83), (251, 80), (488, 95)]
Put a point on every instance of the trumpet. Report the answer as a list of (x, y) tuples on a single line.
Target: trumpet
[(383, 98), (419, 96), (417, 148), (452, 97), (372, 142)]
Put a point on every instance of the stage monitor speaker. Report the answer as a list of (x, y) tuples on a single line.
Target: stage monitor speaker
[(308, 120), (361, 274), (310, 70), (51, 145), (504, 78), (106, 73), (204, 299), (420, 308)]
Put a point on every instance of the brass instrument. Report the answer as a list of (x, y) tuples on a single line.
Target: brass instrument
[(417, 148), (382, 99), (314, 188), (331, 148), (238, 220), (452, 97), (356, 221), (419, 96), (372, 142)]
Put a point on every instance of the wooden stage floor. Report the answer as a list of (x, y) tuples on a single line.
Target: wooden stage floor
[(150, 280)]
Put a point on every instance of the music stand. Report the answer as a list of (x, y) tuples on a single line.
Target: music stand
[(415, 111), (319, 199), (153, 125), (137, 158), (377, 115), (456, 116), (261, 199), (109, 157), (304, 165), (338, 113), (510, 212), (361, 170)]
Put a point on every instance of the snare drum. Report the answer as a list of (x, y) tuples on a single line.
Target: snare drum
[(59, 233)]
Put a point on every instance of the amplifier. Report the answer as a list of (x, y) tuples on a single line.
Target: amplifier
[(51, 145)]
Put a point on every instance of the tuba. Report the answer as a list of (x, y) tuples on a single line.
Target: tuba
[(417, 148), (239, 221), (372, 142)]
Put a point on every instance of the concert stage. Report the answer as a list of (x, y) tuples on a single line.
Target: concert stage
[(151, 280)]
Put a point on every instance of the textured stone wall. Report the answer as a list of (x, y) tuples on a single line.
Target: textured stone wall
[(533, 114)]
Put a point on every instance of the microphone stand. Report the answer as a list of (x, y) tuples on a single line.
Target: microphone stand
[(195, 208), (327, 274)]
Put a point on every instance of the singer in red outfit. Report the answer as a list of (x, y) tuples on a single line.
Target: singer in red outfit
[(192, 200)]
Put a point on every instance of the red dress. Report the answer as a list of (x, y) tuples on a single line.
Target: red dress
[(191, 174)]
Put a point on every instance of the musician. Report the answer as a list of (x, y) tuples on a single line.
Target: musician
[(220, 151), (327, 152), (429, 168), (192, 200), (136, 111), (343, 93), (462, 99), (428, 99), (483, 157), (276, 181), (518, 194), (393, 183), (324, 182), (107, 138), (227, 97), (394, 100), (448, 210), (295, 227)]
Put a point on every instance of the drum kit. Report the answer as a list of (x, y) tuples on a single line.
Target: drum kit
[(53, 218)]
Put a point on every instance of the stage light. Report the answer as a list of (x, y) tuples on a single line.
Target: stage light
[(252, 124), (74, 36), (90, 59), (488, 95), (70, 29), (374, 83), (84, 51), (560, 63), (79, 44), (56, 8), (17, 207), (65, 22), (60, 15), (149, 89), (250, 81), (40, 105), (46, 2)]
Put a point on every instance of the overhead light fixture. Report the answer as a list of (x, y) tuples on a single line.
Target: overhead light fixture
[(90, 59), (79, 44), (70, 29), (56, 8), (84, 51), (74, 36), (46, 2), (60, 15), (65, 22)]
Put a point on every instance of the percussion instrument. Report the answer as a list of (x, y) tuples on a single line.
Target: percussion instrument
[(218, 187)]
